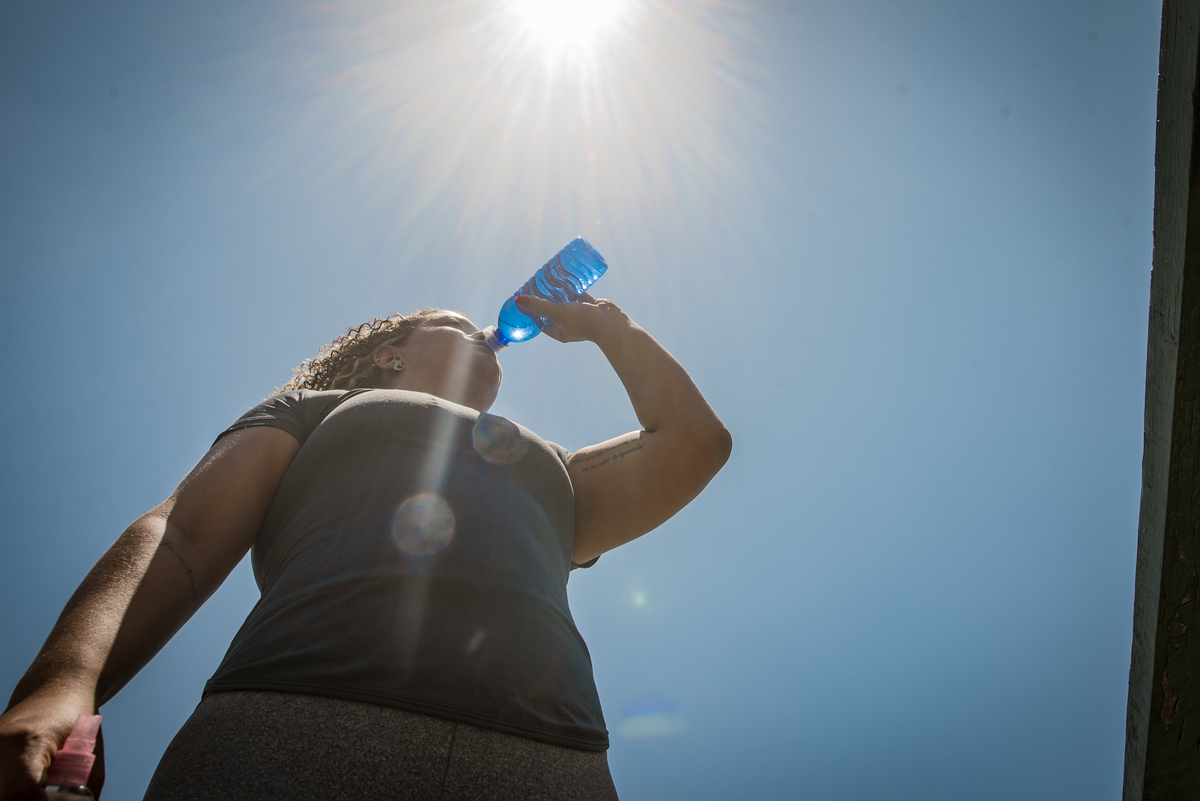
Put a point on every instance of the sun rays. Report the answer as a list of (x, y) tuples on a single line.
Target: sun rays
[(453, 117)]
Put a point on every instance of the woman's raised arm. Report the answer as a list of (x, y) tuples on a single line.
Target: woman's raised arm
[(633, 483), (143, 589)]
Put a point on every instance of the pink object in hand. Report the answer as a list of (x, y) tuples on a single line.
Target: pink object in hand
[(68, 774)]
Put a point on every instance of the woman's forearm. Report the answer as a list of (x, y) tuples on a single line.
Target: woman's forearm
[(131, 602), (144, 588), (163, 567), (663, 395)]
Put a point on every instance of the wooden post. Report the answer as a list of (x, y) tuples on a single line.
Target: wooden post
[(1162, 728)]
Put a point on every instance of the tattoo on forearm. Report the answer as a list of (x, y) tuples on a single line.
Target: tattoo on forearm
[(606, 455), (170, 546)]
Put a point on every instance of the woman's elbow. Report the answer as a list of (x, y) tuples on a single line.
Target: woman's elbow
[(700, 452), (724, 446), (718, 447)]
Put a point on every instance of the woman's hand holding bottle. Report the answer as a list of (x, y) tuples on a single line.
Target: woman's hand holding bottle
[(587, 319), (31, 732)]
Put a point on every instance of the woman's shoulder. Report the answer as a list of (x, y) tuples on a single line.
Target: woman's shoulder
[(306, 395), (297, 411)]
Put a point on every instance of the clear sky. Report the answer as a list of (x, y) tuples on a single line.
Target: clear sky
[(903, 247)]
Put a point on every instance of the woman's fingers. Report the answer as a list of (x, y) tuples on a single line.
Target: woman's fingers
[(550, 309), (30, 734), (24, 757), (582, 319), (557, 313), (533, 305)]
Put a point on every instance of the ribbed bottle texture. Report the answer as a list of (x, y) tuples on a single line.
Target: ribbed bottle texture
[(564, 278)]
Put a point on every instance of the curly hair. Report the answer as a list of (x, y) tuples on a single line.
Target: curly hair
[(346, 362)]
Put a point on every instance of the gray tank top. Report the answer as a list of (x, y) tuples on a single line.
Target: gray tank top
[(416, 555)]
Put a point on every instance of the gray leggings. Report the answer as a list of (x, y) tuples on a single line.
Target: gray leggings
[(266, 746)]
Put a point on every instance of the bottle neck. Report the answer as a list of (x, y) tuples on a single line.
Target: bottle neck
[(495, 340)]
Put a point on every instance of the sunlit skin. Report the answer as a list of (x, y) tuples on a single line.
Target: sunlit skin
[(447, 357)]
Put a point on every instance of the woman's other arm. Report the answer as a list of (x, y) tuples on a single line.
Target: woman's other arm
[(633, 483), (143, 589)]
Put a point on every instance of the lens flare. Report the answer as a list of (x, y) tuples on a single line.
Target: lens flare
[(498, 439), (650, 716), (423, 525)]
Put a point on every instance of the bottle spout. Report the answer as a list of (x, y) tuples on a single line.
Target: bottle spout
[(494, 339), (73, 763)]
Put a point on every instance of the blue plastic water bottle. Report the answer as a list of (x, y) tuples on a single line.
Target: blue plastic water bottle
[(564, 278)]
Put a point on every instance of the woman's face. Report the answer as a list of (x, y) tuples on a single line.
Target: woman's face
[(446, 355)]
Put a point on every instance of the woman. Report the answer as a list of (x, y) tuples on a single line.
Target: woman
[(413, 638)]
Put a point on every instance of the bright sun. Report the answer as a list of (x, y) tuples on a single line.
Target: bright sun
[(559, 24)]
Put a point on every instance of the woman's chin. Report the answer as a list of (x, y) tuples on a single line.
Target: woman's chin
[(479, 397)]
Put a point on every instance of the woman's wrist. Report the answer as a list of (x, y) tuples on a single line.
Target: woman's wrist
[(608, 325), (42, 680)]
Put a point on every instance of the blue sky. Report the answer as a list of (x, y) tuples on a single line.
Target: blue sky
[(903, 247)]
